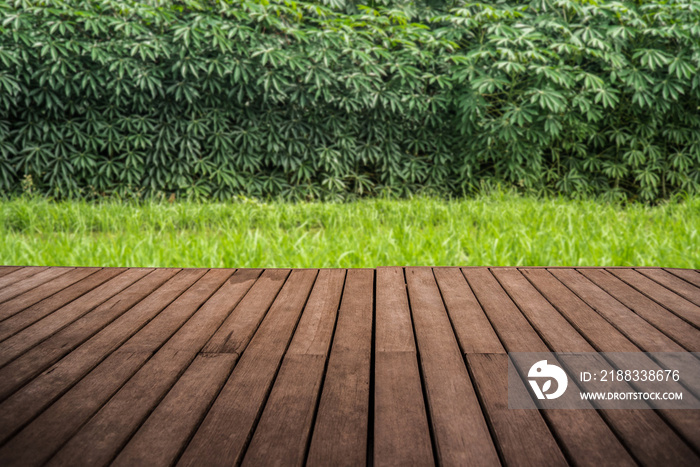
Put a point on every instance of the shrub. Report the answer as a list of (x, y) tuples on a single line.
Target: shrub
[(309, 100)]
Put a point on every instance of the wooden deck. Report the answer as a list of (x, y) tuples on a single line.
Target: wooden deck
[(390, 366)]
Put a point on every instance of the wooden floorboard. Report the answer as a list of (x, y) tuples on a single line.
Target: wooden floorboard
[(686, 290), (23, 315), (285, 425), (684, 333), (18, 275), (388, 366), (461, 434), (660, 294), (689, 275), (401, 428), (5, 270), (515, 309), (340, 434), (54, 322), (25, 285), (223, 436), (43, 291)]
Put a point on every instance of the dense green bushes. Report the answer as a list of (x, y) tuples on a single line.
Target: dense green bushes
[(220, 98)]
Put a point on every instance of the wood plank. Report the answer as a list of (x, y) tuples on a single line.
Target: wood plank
[(605, 338), (523, 436), (19, 343), (79, 362), (472, 328), (112, 426), (461, 435), (37, 294), (583, 434), (340, 433), (394, 326), (35, 444), (34, 313), (598, 331), (34, 361), (632, 326), (676, 328), (170, 368), (41, 438), (689, 275), (5, 270), (401, 429), (660, 294), (163, 436), (482, 347), (520, 434), (222, 437), (234, 335), (29, 283), (282, 434), (20, 275), (681, 287)]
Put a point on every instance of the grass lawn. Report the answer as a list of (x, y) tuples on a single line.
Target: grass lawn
[(492, 230)]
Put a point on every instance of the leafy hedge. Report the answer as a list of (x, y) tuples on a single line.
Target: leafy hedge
[(311, 100)]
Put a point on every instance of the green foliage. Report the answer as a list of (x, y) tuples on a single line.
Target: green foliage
[(494, 230), (334, 100)]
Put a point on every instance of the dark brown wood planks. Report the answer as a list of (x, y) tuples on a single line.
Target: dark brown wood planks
[(401, 430), (222, 437), (111, 427), (281, 437), (341, 428), (130, 366), (460, 431), (581, 432), (81, 395), (165, 433)]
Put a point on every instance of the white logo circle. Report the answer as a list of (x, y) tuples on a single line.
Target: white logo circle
[(543, 370)]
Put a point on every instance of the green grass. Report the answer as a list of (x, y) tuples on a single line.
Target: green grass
[(492, 230)]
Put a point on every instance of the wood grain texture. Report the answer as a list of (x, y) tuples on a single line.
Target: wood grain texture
[(34, 313), (522, 435), (660, 294), (79, 401), (460, 430), (285, 425), (29, 298), (162, 437), (472, 328), (341, 429), (183, 409), (673, 326), (20, 275), (584, 435), (393, 366), (631, 325), (401, 429), (689, 275), (223, 435), (605, 338), (5, 270), (30, 283), (683, 288), (101, 438), (40, 357), (37, 332)]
